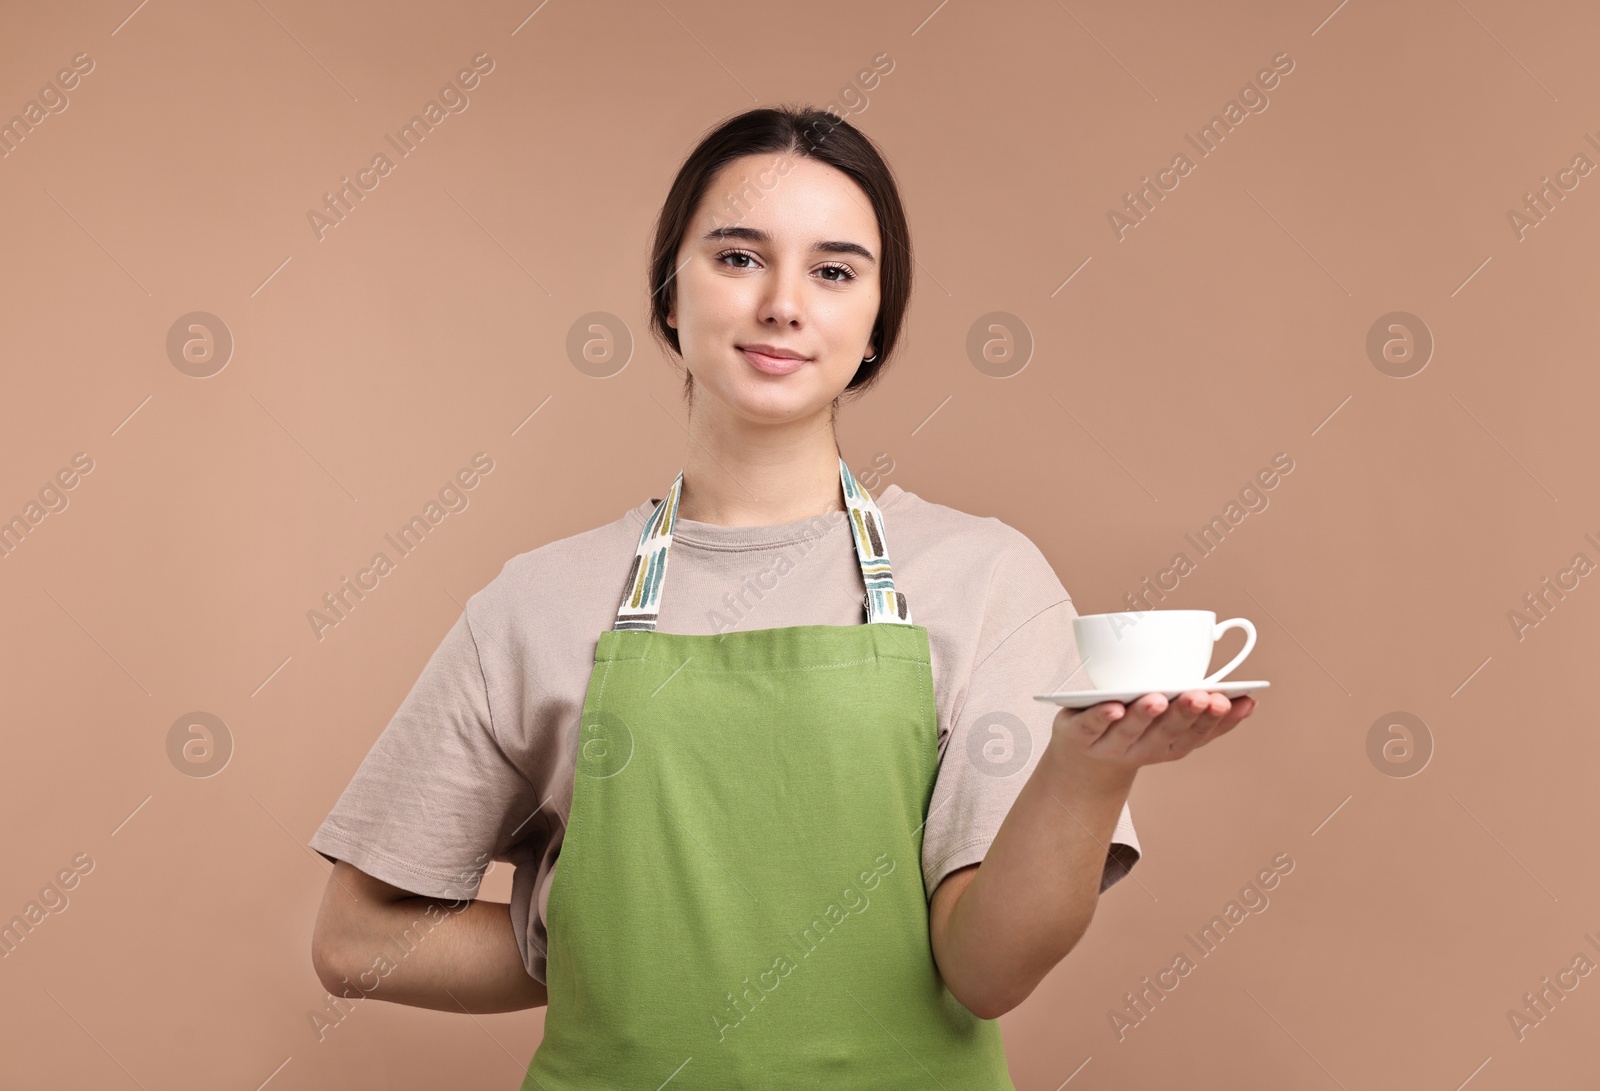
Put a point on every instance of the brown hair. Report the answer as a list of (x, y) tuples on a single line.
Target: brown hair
[(800, 131)]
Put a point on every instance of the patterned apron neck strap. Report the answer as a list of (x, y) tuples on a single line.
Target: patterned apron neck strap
[(641, 601)]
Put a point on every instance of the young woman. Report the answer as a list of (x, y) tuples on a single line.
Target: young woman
[(748, 792)]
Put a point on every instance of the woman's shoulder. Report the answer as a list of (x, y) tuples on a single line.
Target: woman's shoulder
[(926, 529), (965, 572), (576, 577), (581, 554), (974, 580)]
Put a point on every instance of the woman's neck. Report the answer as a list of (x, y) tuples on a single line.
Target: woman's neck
[(743, 474)]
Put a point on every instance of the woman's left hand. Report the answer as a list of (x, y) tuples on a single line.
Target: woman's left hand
[(1116, 737)]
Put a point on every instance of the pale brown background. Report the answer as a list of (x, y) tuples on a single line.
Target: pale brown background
[(1230, 326)]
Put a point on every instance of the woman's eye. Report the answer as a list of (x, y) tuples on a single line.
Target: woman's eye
[(844, 271)]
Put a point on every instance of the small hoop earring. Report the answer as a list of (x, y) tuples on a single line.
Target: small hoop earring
[(869, 359)]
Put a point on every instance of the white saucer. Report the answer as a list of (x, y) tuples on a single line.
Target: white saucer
[(1083, 698)]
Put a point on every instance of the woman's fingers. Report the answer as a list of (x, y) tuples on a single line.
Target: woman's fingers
[(1242, 707), (1148, 718), (1087, 725), (1211, 713), (1209, 727), (1154, 728)]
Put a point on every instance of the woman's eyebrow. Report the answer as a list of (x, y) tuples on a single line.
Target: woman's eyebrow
[(755, 234)]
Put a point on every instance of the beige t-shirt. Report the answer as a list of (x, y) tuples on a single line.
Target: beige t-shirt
[(479, 760)]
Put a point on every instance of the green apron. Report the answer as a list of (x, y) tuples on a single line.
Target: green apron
[(738, 901)]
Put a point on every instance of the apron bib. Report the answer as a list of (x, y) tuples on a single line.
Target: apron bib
[(738, 901)]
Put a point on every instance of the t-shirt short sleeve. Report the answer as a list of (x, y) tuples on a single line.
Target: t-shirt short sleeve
[(999, 732), (436, 798)]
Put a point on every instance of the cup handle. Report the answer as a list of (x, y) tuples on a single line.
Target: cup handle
[(1249, 642)]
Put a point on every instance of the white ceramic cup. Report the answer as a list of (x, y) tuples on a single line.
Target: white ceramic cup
[(1152, 650)]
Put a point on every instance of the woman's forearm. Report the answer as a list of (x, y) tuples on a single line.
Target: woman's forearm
[(451, 956), (1036, 891)]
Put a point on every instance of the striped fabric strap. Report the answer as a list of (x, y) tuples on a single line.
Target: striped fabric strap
[(641, 602)]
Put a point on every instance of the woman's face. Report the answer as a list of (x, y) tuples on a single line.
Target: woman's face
[(797, 272)]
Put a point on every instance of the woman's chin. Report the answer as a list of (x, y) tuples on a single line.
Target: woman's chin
[(776, 406), (757, 399)]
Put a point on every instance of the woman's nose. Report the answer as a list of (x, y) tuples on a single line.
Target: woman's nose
[(782, 299)]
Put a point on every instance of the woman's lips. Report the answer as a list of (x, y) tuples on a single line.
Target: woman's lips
[(772, 365)]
